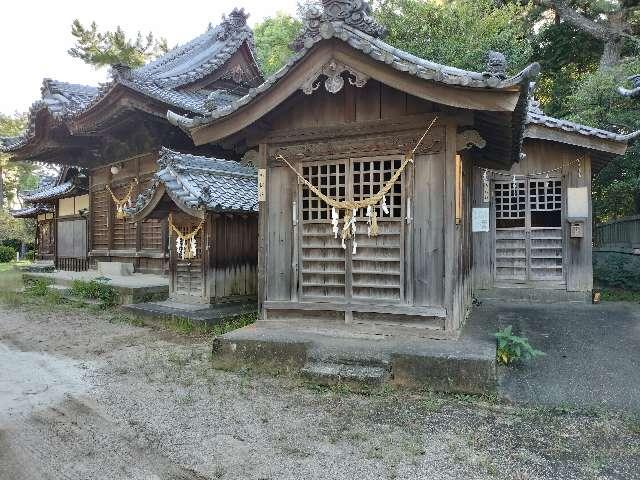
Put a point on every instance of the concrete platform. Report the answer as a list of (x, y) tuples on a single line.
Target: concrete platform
[(465, 365), (527, 294), (135, 288), (198, 313)]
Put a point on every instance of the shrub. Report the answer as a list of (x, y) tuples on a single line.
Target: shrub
[(7, 254), (97, 290), (512, 348), (31, 255)]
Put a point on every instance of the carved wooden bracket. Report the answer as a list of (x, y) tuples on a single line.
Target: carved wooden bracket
[(468, 139), (334, 82)]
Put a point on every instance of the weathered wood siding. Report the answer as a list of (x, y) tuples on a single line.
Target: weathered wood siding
[(114, 239), (233, 257), (541, 156)]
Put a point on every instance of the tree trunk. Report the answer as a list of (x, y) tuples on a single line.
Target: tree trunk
[(613, 42), (1, 190), (611, 53)]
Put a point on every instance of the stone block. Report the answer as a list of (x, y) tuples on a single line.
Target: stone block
[(117, 269)]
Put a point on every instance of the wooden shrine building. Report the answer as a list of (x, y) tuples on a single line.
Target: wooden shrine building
[(350, 116), (212, 211), (60, 208), (538, 231), (116, 131)]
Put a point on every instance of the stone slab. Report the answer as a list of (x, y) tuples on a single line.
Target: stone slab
[(464, 365), (198, 313), (119, 269)]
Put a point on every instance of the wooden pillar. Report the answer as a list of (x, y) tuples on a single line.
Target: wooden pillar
[(451, 246), (262, 226)]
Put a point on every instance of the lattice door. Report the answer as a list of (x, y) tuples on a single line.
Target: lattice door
[(188, 275), (377, 266), (545, 240), (322, 259), (528, 242), (511, 235), (327, 270)]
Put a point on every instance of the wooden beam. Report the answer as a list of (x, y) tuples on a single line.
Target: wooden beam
[(262, 230), (542, 132)]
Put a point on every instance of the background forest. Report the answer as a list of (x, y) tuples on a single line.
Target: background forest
[(586, 48)]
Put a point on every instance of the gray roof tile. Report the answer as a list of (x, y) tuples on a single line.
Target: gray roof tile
[(205, 183)]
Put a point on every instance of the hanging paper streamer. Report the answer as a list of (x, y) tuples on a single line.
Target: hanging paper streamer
[(121, 202), (186, 246), (335, 218)]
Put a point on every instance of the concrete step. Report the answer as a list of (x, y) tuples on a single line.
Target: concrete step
[(327, 373)]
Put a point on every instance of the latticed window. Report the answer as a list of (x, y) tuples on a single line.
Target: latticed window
[(368, 178), (510, 200), (331, 180), (545, 195)]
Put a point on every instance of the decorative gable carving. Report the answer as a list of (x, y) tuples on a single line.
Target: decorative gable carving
[(334, 82)]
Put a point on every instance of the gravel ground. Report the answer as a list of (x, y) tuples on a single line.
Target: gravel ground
[(86, 396)]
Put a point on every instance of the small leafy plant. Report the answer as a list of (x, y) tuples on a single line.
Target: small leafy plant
[(38, 287), (96, 289), (512, 348)]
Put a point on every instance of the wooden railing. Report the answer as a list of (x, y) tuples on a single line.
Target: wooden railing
[(621, 234), (72, 264)]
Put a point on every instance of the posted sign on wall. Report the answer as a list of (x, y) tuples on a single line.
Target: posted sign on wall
[(480, 219)]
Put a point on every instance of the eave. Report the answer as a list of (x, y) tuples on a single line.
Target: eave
[(504, 100)]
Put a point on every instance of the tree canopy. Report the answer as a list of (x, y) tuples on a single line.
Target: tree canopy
[(114, 47), (272, 37)]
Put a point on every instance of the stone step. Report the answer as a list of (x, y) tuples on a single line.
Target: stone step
[(327, 373)]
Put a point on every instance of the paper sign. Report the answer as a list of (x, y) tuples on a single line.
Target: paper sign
[(480, 220), (262, 187)]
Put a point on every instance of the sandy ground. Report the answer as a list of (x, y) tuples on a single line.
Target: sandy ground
[(82, 397)]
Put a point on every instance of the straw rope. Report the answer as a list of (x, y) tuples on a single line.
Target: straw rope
[(183, 238), (121, 202)]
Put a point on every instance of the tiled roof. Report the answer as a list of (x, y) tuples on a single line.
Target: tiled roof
[(58, 99), (49, 192), (203, 183), (379, 51), (31, 211), (158, 80), (535, 116)]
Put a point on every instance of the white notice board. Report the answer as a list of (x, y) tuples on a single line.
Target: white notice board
[(480, 219)]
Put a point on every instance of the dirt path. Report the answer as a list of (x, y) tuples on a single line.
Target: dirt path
[(83, 398)]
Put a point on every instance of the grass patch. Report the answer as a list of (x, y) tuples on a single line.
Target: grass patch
[(619, 295), (184, 326)]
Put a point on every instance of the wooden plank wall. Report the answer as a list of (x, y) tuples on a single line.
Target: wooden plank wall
[(374, 101), (121, 240), (233, 257), (281, 192), (428, 236)]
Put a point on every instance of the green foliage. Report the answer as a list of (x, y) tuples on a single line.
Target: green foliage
[(18, 229), (272, 38), (96, 290), (616, 270), (512, 348), (31, 255), (110, 48), (7, 254), (38, 287), (458, 32), (616, 188)]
